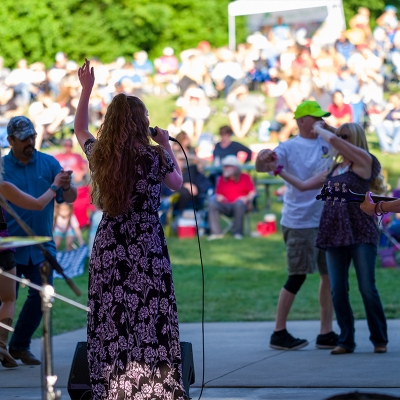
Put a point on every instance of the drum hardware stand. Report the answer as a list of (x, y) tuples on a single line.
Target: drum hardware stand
[(47, 295)]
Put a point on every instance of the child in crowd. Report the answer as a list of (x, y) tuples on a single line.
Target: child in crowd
[(66, 226)]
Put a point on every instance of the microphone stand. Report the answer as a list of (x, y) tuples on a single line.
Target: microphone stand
[(47, 295)]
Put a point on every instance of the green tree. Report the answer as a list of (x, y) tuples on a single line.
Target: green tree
[(37, 29), (376, 7)]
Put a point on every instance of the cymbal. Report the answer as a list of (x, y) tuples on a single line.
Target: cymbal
[(22, 241)]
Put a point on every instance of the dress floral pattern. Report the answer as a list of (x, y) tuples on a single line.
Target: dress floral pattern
[(133, 334)]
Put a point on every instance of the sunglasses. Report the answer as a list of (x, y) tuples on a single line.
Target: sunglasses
[(344, 137)]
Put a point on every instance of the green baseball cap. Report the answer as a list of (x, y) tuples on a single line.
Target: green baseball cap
[(311, 108)]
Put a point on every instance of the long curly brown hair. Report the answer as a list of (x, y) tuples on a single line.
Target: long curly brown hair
[(115, 158)]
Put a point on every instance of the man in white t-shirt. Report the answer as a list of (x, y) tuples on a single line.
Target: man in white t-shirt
[(303, 156)]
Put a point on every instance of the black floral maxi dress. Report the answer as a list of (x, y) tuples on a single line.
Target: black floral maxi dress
[(133, 334)]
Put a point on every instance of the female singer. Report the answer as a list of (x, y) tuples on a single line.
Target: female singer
[(133, 334)]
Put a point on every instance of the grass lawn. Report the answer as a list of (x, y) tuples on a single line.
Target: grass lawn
[(242, 278), (242, 283)]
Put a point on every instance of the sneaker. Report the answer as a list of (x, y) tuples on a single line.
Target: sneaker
[(238, 236), (215, 236), (285, 341), (327, 341)]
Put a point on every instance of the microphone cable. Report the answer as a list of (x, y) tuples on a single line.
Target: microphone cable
[(202, 268)]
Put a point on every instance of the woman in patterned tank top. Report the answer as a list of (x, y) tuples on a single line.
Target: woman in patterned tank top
[(349, 235)]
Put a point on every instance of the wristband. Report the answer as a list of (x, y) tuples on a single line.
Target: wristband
[(381, 208), (278, 170), (379, 212), (65, 190)]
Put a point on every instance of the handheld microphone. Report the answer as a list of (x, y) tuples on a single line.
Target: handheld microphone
[(153, 133)]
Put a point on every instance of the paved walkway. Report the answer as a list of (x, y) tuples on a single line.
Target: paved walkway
[(240, 365)]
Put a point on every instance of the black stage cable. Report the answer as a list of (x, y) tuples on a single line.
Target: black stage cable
[(202, 269)]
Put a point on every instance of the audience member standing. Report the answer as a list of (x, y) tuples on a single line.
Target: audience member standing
[(304, 156), (355, 236), (32, 172)]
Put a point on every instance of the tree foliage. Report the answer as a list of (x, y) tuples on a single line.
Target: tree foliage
[(376, 7), (37, 29)]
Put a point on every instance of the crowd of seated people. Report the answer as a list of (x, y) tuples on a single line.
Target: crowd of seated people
[(280, 65), (290, 65)]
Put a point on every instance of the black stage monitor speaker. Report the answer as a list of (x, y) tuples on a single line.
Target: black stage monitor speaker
[(79, 382), (188, 376)]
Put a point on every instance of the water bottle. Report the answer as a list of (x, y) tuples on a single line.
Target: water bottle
[(263, 131)]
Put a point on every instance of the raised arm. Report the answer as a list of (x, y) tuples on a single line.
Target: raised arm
[(361, 159), (81, 123), (23, 200), (315, 182)]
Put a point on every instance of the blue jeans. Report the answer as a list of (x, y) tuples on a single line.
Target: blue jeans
[(388, 130), (31, 314), (338, 260)]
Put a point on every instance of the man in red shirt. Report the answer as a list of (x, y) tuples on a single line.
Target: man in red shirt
[(233, 195)]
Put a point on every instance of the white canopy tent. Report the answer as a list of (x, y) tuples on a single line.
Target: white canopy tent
[(333, 24)]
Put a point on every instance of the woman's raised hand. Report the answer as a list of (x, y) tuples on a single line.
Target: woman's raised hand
[(318, 125), (86, 75)]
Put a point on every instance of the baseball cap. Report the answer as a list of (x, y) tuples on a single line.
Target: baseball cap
[(20, 127), (311, 108), (391, 8), (230, 160)]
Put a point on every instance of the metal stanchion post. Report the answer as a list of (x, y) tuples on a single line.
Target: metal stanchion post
[(48, 378)]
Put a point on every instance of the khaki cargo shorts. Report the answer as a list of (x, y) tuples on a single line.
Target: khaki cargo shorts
[(302, 255)]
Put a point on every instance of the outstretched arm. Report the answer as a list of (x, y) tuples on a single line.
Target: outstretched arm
[(368, 206), (24, 200), (312, 183), (81, 123)]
